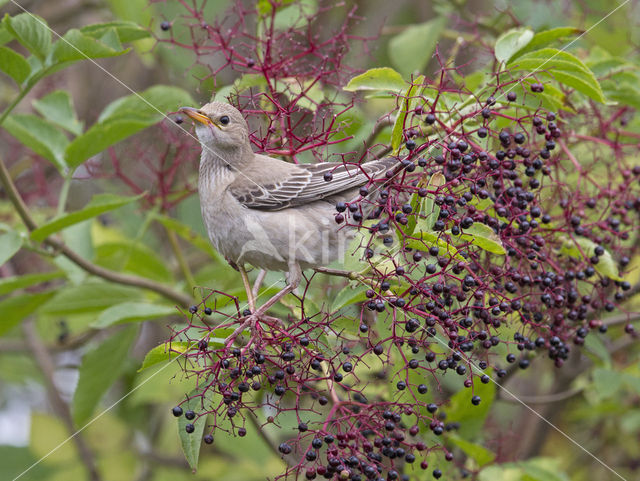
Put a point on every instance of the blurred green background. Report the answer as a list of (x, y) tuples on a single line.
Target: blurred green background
[(136, 439)]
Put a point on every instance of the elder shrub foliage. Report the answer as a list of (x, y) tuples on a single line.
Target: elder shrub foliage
[(495, 265)]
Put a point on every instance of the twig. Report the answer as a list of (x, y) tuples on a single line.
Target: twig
[(182, 262), (255, 423), (59, 246), (372, 136), (45, 363), (256, 285)]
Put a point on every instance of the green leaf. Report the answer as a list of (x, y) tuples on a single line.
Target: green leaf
[(563, 67), (470, 417), (103, 135), (5, 36), (583, 249), (511, 42), (100, 368), (383, 78), (266, 6), (411, 50), (546, 37), (189, 235), (132, 312), (10, 284), (99, 204), (14, 459), (481, 454), (170, 350), (15, 309), (533, 469), (14, 65), (40, 136), (397, 133), (31, 31), (151, 104), (75, 45), (606, 382), (426, 239), (125, 117), (126, 31), (347, 296), (165, 352), (295, 16), (88, 297), (426, 211), (10, 243), (57, 107), (191, 442), (133, 257), (484, 237)]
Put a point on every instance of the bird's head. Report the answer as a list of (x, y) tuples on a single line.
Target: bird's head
[(220, 127)]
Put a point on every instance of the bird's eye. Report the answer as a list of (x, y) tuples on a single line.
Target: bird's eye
[(224, 120)]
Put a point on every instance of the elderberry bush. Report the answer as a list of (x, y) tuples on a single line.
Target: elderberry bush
[(498, 243)]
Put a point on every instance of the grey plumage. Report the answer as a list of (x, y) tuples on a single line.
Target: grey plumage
[(267, 212)]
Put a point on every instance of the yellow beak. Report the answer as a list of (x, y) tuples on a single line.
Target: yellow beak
[(196, 114)]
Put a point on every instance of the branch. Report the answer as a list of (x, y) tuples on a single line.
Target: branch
[(60, 407), (59, 246)]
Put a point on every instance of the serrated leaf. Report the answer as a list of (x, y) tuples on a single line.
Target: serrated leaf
[(10, 284), (266, 6), (126, 31), (15, 309), (75, 45), (347, 296), (411, 50), (100, 368), (99, 204), (563, 67), (191, 442), (31, 31), (295, 16), (10, 243), (426, 209), (40, 136), (133, 257), (397, 133), (14, 65), (188, 234), (511, 42), (165, 352), (470, 417), (57, 107), (125, 117), (583, 249), (91, 296), (552, 99), (476, 451), (170, 350), (426, 239), (384, 78), (483, 236), (132, 312), (546, 37)]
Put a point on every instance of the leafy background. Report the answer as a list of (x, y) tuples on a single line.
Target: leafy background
[(73, 343)]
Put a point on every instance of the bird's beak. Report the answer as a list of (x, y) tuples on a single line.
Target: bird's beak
[(196, 114)]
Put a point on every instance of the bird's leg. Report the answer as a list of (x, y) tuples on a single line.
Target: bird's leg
[(247, 287), (295, 276), (256, 286), (250, 321)]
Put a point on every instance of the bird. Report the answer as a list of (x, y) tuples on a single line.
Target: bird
[(269, 213)]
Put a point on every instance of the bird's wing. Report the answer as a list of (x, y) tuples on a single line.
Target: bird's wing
[(277, 184)]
